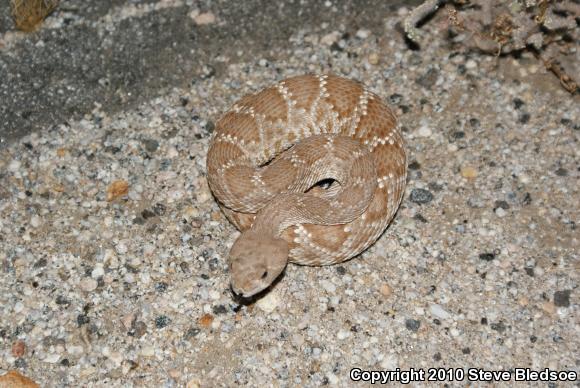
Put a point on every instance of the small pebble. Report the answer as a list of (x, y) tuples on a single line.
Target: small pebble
[(412, 324), (269, 303), (470, 64), (363, 33), (373, 58), (148, 351), (439, 312), (386, 290), (204, 18), (328, 286), (88, 284), (562, 298), (468, 172), (421, 196), (424, 131)]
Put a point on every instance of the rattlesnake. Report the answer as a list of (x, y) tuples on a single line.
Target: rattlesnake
[(311, 170)]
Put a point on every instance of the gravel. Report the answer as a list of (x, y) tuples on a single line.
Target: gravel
[(113, 253)]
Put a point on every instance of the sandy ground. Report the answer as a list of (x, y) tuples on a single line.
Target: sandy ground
[(113, 253)]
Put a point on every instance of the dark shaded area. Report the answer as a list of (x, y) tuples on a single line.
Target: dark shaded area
[(55, 75)]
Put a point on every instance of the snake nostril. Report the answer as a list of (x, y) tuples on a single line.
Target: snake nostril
[(264, 275)]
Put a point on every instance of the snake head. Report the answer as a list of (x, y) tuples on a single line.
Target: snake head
[(256, 260)]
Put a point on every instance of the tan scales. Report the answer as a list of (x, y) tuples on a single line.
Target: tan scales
[(311, 170)]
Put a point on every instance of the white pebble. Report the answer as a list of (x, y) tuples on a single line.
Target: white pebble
[(98, 271), (363, 33), (500, 212), (470, 64), (52, 358), (148, 351), (269, 302), (424, 131), (328, 286), (35, 221), (14, 166), (342, 334), (454, 332), (88, 284), (439, 312)]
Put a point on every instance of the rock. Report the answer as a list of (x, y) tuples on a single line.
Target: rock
[(14, 379), (148, 351), (269, 302), (421, 196), (424, 131), (549, 307), (330, 38), (88, 284), (117, 189), (342, 334), (18, 348), (562, 298), (468, 172), (14, 166), (328, 286), (206, 320), (439, 312), (205, 18), (363, 33), (374, 58), (428, 79), (386, 290), (412, 325)]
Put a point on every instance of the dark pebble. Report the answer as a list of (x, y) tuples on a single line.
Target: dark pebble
[(518, 103), (219, 309), (562, 298), (527, 199), (412, 324), (421, 196), (82, 319), (159, 209), (146, 214), (150, 145), (191, 333), (414, 165), (483, 321), (214, 264), (529, 271), (395, 99), (486, 256), (503, 204), (466, 351), (458, 135), (20, 363), (420, 218), (499, 327), (62, 301), (428, 79), (474, 122), (139, 220), (533, 339), (162, 321), (562, 172), (161, 287), (437, 356), (435, 186), (40, 263), (524, 118), (138, 329), (65, 362), (341, 270)]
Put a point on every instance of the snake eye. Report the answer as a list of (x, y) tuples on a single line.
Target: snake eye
[(265, 274)]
